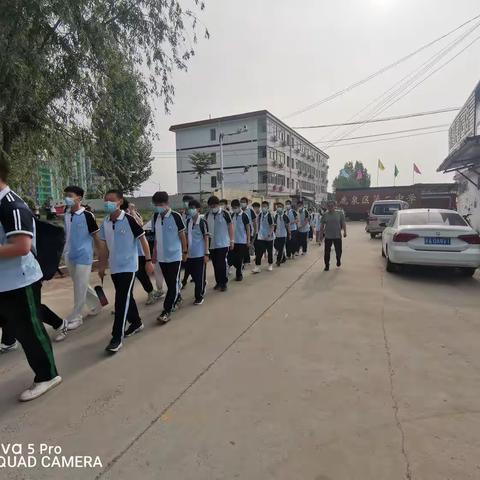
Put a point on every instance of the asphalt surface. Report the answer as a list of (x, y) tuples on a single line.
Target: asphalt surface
[(296, 374)]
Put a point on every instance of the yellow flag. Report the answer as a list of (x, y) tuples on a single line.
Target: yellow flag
[(381, 166)]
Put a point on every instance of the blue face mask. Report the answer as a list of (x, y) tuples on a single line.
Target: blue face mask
[(192, 212), (69, 202), (158, 209), (214, 209), (264, 209), (110, 207), (279, 211)]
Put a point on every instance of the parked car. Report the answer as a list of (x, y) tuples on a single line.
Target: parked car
[(431, 237), (380, 214)]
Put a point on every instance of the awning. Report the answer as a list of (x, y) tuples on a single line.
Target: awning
[(467, 155)]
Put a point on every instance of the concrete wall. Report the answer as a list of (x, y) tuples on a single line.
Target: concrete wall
[(468, 200)]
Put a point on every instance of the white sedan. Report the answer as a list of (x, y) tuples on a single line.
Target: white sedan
[(431, 237)]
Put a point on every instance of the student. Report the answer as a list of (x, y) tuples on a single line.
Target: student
[(303, 227), (224, 205), (197, 238), (170, 250), (242, 228), (220, 227), (331, 226), (292, 241), (244, 204), (120, 233), (282, 233), (265, 237), (185, 216), (81, 233), (20, 284)]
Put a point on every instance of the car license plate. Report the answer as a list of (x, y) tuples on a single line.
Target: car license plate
[(437, 241)]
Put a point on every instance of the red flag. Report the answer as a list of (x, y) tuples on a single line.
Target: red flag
[(416, 169)]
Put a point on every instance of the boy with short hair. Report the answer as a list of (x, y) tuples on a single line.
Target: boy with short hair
[(265, 237), (197, 239), (120, 233), (244, 204), (292, 241), (220, 227), (282, 233), (242, 233), (169, 251), (303, 227)]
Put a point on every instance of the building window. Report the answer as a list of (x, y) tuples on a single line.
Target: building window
[(213, 134), (213, 181), (262, 152), (262, 124)]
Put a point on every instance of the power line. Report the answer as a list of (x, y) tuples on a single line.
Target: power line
[(384, 119), (379, 72)]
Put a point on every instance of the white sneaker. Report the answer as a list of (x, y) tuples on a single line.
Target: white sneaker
[(95, 310), (75, 323), (270, 268), (256, 269), (153, 297), (61, 332), (38, 389), (8, 348)]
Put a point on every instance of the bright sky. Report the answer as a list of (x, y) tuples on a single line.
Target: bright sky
[(282, 55)]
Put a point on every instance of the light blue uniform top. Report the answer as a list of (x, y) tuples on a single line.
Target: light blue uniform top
[(16, 219), (121, 237), (292, 216), (79, 228), (241, 222), (166, 228), (302, 216), (218, 228), (196, 231), (265, 222), (281, 222)]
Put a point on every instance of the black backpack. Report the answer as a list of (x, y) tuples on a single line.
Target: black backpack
[(50, 242)]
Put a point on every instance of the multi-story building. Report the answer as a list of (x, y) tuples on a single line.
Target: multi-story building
[(262, 156)]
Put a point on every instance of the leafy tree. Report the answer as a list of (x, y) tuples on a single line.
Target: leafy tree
[(54, 58), (201, 163), (352, 176), (121, 123)]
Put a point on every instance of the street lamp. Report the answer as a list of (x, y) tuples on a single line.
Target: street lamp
[(244, 129)]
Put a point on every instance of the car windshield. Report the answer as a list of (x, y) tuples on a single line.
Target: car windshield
[(432, 218), (385, 208)]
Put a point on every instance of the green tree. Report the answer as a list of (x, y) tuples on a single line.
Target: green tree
[(201, 163), (352, 176), (54, 57)]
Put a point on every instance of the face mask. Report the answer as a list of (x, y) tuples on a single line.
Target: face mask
[(288, 207), (110, 207), (214, 209), (69, 202), (279, 211), (264, 209), (185, 204), (243, 205), (236, 210), (158, 209), (192, 212)]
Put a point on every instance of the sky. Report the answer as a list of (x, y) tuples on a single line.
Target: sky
[(282, 55)]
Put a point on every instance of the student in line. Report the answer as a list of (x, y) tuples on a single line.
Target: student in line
[(245, 205), (224, 205), (220, 227), (242, 232), (331, 226), (303, 227), (265, 237), (292, 241), (20, 285), (185, 216), (81, 234), (120, 233), (197, 239), (282, 233), (170, 250)]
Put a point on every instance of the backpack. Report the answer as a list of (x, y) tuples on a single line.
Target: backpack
[(49, 245)]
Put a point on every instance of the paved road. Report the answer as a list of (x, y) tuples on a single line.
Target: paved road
[(298, 374)]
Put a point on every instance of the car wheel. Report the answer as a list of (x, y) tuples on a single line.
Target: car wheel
[(373, 235), (390, 266), (468, 272)]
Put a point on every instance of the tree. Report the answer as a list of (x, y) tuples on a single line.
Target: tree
[(121, 123), (54, 59), (201, 163), (352, 176)]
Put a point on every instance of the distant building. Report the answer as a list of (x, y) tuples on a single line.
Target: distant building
[(464, 157), (268, 160)]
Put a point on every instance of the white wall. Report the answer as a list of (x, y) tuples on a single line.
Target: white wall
[(468, 200)]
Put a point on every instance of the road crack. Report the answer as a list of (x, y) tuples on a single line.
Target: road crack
[(395, 405)]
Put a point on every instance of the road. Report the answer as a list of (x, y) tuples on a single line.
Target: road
[(298, 374)]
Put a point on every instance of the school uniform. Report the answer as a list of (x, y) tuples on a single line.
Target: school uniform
[(251, 217), (78, 254), (167, 228), (197, 230), (303, 230), (121, 236), (218, 227), (242, 226), (20, 285), (265, 239), (292, 242), (142, 275), (281, 234)]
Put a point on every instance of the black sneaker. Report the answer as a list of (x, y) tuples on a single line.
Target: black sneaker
[(216, 287), (278, 264), (327, 268), (164, 318), (223, 288), (339, 263), (114, 346), (133, 329), (198, 302), (239, 278)]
